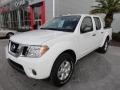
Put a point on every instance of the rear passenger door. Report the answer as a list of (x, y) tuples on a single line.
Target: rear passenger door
[(99, 30)]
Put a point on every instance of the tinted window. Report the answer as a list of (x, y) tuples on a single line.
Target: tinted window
[(86, 25), (97, 23), (64, 23)]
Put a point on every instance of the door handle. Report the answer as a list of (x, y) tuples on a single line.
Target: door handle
[(102, 32), (94, 35)]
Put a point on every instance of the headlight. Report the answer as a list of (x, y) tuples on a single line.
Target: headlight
[(36, 51)]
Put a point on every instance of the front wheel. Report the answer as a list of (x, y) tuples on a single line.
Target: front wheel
[(62, 69)]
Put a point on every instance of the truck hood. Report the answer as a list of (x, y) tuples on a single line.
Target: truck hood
[(37, 37)]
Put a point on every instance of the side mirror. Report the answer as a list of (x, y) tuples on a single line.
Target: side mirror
[(86, 29)]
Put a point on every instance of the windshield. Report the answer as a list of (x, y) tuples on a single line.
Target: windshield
[(64, 23)]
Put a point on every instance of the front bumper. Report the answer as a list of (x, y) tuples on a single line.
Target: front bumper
[(41, 66), (16, 66)]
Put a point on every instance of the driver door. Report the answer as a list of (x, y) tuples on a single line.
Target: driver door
[(87, 36)]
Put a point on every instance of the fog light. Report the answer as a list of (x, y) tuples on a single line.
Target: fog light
[(34, 72)]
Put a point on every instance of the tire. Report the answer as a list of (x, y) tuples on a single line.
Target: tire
[(104, 49), (62, 70), (9, 35)]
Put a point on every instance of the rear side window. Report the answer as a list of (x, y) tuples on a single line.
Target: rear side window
[(97, 23)]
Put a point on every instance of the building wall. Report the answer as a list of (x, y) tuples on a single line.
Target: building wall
[(49, 9), (63, 7), (73, 6), (116, 23), (82, 7), (3, 2), (28, 14)]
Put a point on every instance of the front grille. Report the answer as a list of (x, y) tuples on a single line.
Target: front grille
[(25, 49), (16, 49), (16, 66)]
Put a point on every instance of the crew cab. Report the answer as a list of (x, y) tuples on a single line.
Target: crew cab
[(6, 33), (53, 51)]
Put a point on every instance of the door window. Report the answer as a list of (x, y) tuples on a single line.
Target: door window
[(97, 23), (87, 25)]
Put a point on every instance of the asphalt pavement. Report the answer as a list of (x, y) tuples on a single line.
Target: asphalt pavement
[(93, 72)]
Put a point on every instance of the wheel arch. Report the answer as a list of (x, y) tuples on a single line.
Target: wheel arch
[(9, 33), (105, 38), (71, 52)]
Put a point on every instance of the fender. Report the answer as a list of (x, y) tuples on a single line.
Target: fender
[(58, 49), (105, 37)]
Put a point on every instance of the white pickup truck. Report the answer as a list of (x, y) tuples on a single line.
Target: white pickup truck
[(53, 51)]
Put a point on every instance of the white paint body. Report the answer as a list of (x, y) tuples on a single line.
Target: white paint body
[(58, 42)]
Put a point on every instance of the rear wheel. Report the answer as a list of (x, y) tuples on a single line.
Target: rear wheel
[(62, 69), (105, 47)]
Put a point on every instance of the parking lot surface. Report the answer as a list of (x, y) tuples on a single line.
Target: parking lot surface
[(93, 72)]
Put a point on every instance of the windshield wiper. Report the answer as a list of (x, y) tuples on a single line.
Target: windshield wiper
[(49, 28), (59, 29)]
